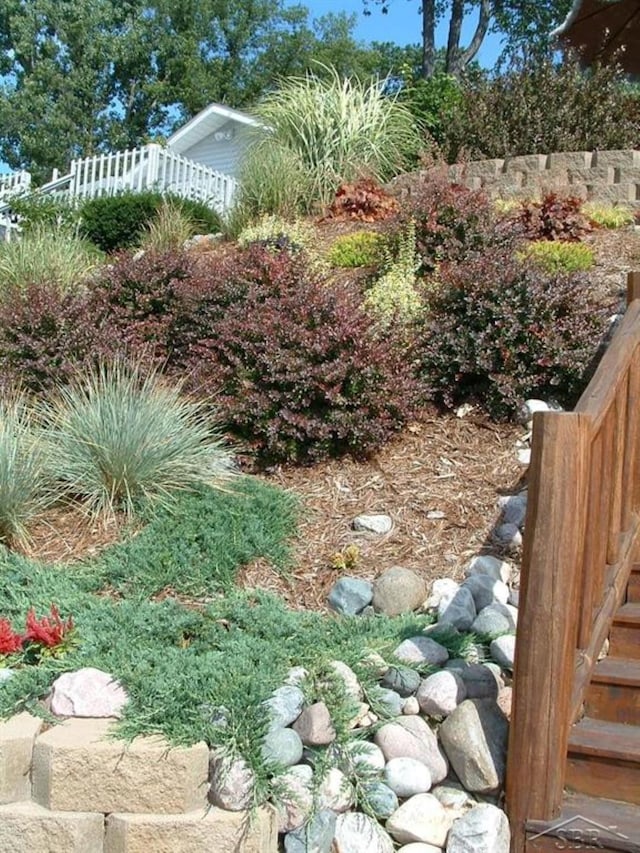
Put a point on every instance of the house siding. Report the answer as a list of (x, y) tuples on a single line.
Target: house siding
[(222, 155)]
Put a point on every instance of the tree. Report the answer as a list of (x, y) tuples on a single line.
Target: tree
[(523, 23)]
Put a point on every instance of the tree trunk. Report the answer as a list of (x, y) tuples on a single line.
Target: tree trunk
[(428, 38), (452, 62), (481, 30)]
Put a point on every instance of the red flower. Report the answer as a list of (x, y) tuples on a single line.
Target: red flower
[(48, 631), (9, 641)]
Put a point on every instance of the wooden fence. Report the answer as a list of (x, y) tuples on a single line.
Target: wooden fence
[(581, 540)]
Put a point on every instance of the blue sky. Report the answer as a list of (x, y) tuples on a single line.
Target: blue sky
[(401, 25)]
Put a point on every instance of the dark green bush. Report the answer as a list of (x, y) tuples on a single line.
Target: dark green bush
[(118, 222), (539, 106), (499, 330)]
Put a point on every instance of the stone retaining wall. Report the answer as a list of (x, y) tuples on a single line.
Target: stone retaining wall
[(609, 177)]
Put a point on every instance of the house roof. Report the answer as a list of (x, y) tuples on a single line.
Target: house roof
[(206, 122)]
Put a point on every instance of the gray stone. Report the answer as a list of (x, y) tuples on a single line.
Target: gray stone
[(358, 833), (390, 701), (381, 799), (379, 524), (232, 782), (421, 818), (421, 650), (493, 620), (363, 756), (486, 564), (285, 705), (439, 589), (480, 681), (459, 610), (411, 737), (403, 680), (474, 738), (514, 509), (349, 679), (314, 725), (503, 650), (407, 777), (514, 597), (316, 836), (441, 693), (89, 692), (485, 590), (484, 829), (398, 590), (282, 746), (295, 803), (350, 596), (508, 535)]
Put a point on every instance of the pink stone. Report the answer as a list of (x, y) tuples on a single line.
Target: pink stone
[(88, 692)]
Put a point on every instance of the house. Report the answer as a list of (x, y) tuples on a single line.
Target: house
[(217, 137)]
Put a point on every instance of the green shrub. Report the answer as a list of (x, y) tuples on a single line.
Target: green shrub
[(498, 330), (394, 294), (37, 211), (362, 249), (268, 230), (608, 215), (26, 487), (49, 257), (122, 436), (169, 230), (434, 102), (540, 106), (119, 221), (560, 257), (330, 130)]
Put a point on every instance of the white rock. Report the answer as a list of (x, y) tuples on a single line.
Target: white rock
[(364, 755), (486, 564), (358, 833), (439, 589), (349, 679), (407, 777), (421, 650), (524, 456), (503, 650), (88, 692), (441, 693), (411, 706), (484, 829), (379, 524), (419, 847), (421, 818), (296, 802), (335, 792)]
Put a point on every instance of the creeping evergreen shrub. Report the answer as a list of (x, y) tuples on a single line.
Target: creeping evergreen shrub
[(560, 257), (297, 368), (499, 330), (120, 221)]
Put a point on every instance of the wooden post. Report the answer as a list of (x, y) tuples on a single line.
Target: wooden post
[(633, 286), (545, 660)]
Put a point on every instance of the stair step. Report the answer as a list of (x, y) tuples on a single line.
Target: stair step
[(597, 824), (624, 639), (604, 757), (614, 692)]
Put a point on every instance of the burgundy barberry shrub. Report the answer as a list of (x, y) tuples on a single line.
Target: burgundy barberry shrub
[(452, 222), (499, 330), (296, 366), (554, 218), (45, 335)]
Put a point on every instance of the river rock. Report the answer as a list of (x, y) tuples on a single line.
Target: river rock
[(282, 746), (474, 738), (296, 800), (398, 590), (350, 596), (316, 836), (441, 693), (379, 524), (411, 706), (459, 610), (381, 799), (314, 725), (421, 650), (335, 792), (484, 829), (403, 680), (407, 777), (411, 737), (391, 701), (508, 535), (419, 847), (348, 678), (439, 589), (421, 818), (486, 564), (89, 692), (503, 650), (285, 705), (232, 782), (494, 619), (480, 681), (358, 833), (514, 509), (485, 590)]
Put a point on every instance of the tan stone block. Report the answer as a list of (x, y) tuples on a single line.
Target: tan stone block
[(28, 828), (526, 163), (616, 159), (17, 736), (570, 160), (205, 831), (76, 768)]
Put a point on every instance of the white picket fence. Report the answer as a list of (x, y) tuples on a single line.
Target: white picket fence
[(14, 183)]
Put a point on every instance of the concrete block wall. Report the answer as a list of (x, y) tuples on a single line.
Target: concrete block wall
[(608, 177), (75, 789)]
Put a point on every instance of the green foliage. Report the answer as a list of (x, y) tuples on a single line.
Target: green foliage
[(540, 106), (394, 294), (169, 230), (121, 436), (433, 102), (120, 221), (271, 228), (49, 257), (44, 211), (560, 257), (333, 130), (608, 215), (26, 487), (362, 249)]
